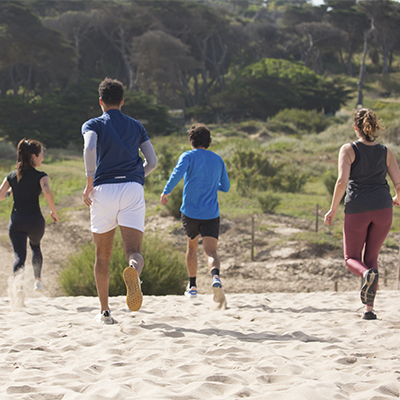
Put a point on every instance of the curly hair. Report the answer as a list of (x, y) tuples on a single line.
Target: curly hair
[(199, 136), (111, 92), (367, 123), (26, 148)]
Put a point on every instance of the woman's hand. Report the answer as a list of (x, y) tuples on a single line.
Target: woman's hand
[(329, 217), (54, 216)]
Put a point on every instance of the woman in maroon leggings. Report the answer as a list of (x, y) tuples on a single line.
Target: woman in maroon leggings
[(368, 205)]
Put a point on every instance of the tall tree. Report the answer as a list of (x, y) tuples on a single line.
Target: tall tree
[(75, 25), (344, 15), (32, 55)]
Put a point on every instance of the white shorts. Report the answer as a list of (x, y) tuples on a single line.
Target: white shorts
[(117, 204)]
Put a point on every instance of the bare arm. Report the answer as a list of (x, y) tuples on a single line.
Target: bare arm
[(5, 189), (346, 157), (394, 173), (45, 185)]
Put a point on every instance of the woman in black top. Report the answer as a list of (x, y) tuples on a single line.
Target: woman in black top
[(26, 184), (368, 206)]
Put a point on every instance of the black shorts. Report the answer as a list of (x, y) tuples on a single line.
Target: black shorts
[(204, 227)]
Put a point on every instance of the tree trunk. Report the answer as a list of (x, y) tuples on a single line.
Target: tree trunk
[(362, 66)]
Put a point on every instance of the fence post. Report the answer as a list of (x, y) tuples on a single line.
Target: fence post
[(316, 219), (252, 238)]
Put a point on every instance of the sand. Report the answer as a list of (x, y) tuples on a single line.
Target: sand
[(286, 334), (263, 346)]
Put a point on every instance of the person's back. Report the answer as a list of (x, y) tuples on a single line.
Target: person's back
[(368, 189), (26, 191), (114, 192), (118, 140), (204, 176)]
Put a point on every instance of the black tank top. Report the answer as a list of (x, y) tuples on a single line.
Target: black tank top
[(368, 189), (26, 192)]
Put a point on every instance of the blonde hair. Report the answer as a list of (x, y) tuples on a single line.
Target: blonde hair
[(367, 123)]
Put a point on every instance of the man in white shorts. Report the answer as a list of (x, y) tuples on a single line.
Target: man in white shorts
[(114, 191)]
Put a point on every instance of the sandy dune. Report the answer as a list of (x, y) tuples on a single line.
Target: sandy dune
[(263, 346)]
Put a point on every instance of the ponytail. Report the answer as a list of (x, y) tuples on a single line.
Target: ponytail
[(367, 123), (26, 148)]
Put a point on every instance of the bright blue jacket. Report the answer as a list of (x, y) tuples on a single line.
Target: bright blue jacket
[(204, 173)]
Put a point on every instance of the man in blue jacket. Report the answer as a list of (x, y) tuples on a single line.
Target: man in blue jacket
[(114, 191), (204, 173)]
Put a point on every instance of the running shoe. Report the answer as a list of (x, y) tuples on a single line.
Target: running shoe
[(216, 282), (369, 315), (191, 292), (368, 289), (134, 295), (219, 296), (38, 286), (105, 318)]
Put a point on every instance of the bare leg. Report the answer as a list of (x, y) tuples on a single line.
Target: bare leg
[(210, 250), (191, 256), (132, 239), (104, 245)]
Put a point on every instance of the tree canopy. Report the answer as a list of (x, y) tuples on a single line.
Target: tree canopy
[(216, 59)]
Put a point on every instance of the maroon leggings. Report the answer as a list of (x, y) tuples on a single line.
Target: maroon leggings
[(367, 228)]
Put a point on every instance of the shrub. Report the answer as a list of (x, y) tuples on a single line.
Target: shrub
[(7, 151), (164, 271), (268, 202), (253, 171), (330, 181), (175, 201), (295, 121)]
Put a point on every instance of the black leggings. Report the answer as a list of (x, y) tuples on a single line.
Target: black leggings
[(23, 226)]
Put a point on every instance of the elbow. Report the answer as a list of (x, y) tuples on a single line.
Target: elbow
[(340, 183), (153, 164)]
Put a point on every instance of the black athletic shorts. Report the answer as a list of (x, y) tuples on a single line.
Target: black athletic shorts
[(204, 227)]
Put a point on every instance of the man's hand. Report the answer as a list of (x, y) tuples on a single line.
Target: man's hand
[(163, 199), (86, 194)]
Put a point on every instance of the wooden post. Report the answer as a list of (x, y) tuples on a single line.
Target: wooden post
[(252, 238), (316, 219), (336, 286)]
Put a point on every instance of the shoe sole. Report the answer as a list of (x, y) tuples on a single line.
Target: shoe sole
[(190, 296), (134, 296), (368, 289)]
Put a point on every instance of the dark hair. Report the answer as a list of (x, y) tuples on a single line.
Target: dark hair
[(25, 149), (111, 92), (367, 123), (200, 136)]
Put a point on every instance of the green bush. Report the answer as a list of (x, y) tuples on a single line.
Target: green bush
[(268, 202), (66, 112), (262, 89), (164, 271), (330, 179), (295, 121), (253, 171), (175, 201)]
